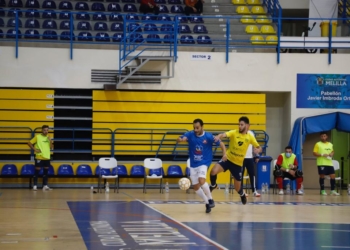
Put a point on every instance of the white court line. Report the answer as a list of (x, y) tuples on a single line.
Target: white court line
[(335, 247), (9, 242), (10, 234), (187, 227), (311, 229)]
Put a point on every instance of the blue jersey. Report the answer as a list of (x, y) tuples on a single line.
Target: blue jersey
[(200, 148)]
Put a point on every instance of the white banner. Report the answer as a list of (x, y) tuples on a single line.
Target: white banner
[(201, 57)]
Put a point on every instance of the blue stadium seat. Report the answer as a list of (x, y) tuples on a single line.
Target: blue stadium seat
[(65, 25), (101, 26), (104, 171), (27, 169), (165, 18), (148, 18), (98, 7), (186, 39), (153, 38), (115, 17), (134, 27), (120, 170), (137, 170), (9, 169), (81, 6), (117, 37), (11, 33), (136, 38), (132, 16), (176, 9), (49, 14), (65, 169), (1, 34), (64, 15), (184, 29), (158, 172), (32, 4), (2, 3), (204, 40), (174, 170), (182, 19), (128, 1), (196, 19), (168, 39), (150, 27), (15, 3), (174, 1), (200, 29), (50, 173), (163, 9), (160, 1), (114, 7), (49, 24), (2, 12), (32, 34), (65, 35), (99, 17), (84, 170), (84, 36), (83, 16), (12, 13), (32, 24), (84, 26), (48, 4), (65, 5), (102, 37), (33, 13), (167, 28), (12, 22), (2, 24), (116, 27), (129, 8), (50, 35), (112, 1)]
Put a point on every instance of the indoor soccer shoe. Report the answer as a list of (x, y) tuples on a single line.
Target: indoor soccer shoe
[(333, 192), (323, 192), (35, 188), (211, 203), (207, 208), (213, 187), (243, 199), (46, 188)]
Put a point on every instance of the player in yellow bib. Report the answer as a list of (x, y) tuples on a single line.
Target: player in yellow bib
[(234, 157), (41, 144), (324, 152)]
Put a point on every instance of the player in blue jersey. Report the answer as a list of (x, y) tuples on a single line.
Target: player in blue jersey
[(200, 144)]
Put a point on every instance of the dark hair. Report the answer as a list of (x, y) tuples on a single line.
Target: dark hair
[(199, 120), (44, 126), (244, 119), (323, 133), (288, 147)]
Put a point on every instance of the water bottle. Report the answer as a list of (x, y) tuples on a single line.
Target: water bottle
[(263, 188), (288, 188), (92, 189), (107, 187), (349, 189), (166, 187), (226, 189)]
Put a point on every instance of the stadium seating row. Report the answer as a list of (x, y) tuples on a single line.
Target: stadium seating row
[(259, 40)]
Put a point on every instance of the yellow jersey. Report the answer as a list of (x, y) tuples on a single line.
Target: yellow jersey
[(238, 146)]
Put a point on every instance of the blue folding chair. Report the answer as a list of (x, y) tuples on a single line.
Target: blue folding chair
[(65, 169), (84, 170), (9, 169)]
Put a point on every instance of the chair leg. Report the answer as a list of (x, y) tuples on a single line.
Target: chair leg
[(118, 184), (115, 184), (161, 184), (144, 185), (99, 182)]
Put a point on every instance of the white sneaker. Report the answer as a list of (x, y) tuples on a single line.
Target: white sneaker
[(256, 194), (281, 192), (35, 188), (46, 188), (300, 192), (333, 192)]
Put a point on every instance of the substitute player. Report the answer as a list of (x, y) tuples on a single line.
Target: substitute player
[(200, 144), (41, 144), (234, 157)]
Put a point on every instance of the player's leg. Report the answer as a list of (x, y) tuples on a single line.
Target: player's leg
[(249, 164), (218, 168), (202, 174), (299, 181), (45, 165), (321, 173), (236, 172), (36, 174), (331, 172), (195, 179)]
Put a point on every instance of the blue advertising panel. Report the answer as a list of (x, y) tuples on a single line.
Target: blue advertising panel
[(323, 91)]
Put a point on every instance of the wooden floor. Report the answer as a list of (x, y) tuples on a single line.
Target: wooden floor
[(48, 219)]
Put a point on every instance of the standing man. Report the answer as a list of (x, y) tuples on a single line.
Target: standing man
[(324, 152), (200, 144), (149, 6), (193, 6), (41, 144), (234, 157), (248, 164)]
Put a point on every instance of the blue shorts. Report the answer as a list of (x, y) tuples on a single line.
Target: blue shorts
[(235, 170), (326, 170)]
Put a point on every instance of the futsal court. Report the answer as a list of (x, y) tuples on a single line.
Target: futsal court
[(80, 219)]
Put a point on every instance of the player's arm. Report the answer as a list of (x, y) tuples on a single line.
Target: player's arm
[(219, 137), (183, 138), (257, 149), (31, 144), (223, 148), (279, 163), (51, 143), (316, 153)]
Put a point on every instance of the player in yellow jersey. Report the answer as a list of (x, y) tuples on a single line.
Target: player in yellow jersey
[(41, 144), (233, 160), (324, 152)]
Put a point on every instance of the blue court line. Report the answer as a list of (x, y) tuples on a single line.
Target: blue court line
[(252, 203)]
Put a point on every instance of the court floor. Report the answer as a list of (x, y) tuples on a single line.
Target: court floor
[(130, 220)]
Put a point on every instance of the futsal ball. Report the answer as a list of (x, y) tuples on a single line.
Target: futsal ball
[(184, 183)]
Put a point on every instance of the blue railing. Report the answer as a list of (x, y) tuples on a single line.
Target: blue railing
[(129, 43)]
